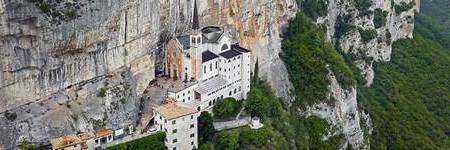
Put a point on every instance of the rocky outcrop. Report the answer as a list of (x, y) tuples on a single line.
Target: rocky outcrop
[(73, 66), (81, 65), (257, 25), (342, 114), (366, 33)]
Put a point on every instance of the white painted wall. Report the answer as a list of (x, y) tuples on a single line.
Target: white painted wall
[(210, 69), (185, 126), (185, 95)]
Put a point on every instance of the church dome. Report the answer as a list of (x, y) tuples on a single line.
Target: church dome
[(211, 33)]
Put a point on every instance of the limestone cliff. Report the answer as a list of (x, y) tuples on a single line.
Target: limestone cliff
[(82, 65), (69, 66), (366, 31), (363, 31)]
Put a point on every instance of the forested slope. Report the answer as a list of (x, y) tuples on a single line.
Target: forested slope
[(410, 98)]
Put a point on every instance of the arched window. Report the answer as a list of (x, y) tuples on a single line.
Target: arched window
[(224, 47)]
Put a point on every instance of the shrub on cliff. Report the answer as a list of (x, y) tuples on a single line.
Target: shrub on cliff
[(379, 19), (226, 108), (308, 56)]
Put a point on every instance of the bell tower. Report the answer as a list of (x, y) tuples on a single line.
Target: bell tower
[(196, 45)]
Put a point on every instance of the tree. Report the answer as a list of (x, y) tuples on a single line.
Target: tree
[(226, 108), (205, 127), (256, 70), (262, 102), (228, 140), (155, 141)]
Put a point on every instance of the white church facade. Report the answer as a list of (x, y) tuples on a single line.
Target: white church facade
[(201, 68)]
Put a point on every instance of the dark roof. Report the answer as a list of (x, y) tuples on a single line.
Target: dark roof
[(207, 56), (195, 23), (184, 41), (239, 48), (211, 34), (230, 54)]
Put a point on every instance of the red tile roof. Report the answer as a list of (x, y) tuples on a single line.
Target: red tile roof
[(103, 133)]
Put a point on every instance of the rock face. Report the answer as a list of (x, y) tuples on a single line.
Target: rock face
[(82, 65), (390, 20), (343, 115), (365, 35)]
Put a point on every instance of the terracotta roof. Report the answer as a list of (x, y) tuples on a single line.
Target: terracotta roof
[(65, 141), (86, 136), (103, 133), (173, 110)]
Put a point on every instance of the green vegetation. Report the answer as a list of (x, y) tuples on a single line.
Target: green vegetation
[(155, 142), (281, 129), (307, 55), (315, 8), (226, 108), (262, 102), (367, 35), (205, 127), (342, 27), (26, 146), (409, 99), (102, 92), (403, 6), (379, 18), (10, 116), (439, 23), (246, 138), (58, 11), (362, 6), (388, 36)]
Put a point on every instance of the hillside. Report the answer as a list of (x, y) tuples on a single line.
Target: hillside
[(409, 102)]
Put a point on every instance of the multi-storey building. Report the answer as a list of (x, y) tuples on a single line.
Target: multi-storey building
[(203, 67), (180, 124), (206, 59)]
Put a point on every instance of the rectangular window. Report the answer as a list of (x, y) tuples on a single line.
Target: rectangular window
[(217, 64), (192, 135), (174, 140), (173, 122), (192, 126), (174, 148), (204, 69), (192, 116), (174, 131)]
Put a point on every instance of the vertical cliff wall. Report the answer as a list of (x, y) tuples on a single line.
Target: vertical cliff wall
[(366, 29), (81, 65), (363, 30)]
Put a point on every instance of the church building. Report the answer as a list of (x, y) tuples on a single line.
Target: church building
[(202, 67)]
